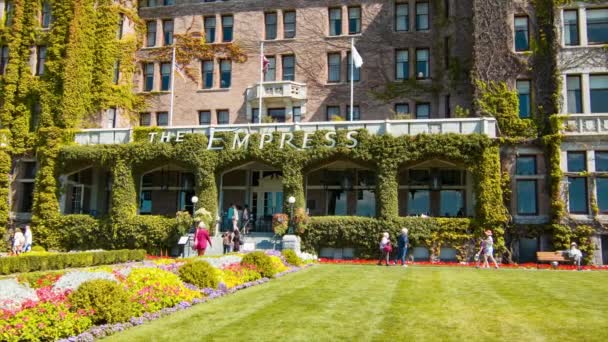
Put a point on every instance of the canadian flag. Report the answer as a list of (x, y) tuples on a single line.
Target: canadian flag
[(265, 64)]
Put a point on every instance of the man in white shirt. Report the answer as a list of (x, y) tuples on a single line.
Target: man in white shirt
[(576, 255)]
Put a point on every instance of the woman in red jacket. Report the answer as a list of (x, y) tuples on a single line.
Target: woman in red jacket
[(201, 238)]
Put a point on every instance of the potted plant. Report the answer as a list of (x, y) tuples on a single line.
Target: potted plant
[(280, 223)]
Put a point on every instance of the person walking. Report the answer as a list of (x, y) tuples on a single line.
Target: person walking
[(28, 238), (488, 252), (402, 242), (245, 221), (385, 249), (236, 241), (18, 242), (201, 238), (235, 218), (226, 242), (480, 253)]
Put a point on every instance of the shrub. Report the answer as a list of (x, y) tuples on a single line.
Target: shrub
[(199, 273), (108, 300), (38, 249), (261, 261), (291, 257), (277, 264)]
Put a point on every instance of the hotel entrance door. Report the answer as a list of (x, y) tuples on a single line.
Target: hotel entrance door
[(266, 200)]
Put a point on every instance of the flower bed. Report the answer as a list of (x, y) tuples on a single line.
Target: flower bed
[(464, 265), (42, 306)]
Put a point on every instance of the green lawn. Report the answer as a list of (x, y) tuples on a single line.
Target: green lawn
[(365, 303)]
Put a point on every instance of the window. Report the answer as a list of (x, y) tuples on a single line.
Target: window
[(356, 71), (223, 117), (334, 67), (448, 108), (602, 194), (111, 116), (525, 165), (599, 93), (210, 29), (332, 111), (169, 2), (204, 117), (255, 115), (277, 114), (289, 24), (168, 32), (451, 203), (207, 74), (225, 73), (354, 20), (116, 73), (165, 76), (227, 26), (523, 93), (144, 119), (577, 195), (402, 19), (402, 65), (423, 69), (40, 61), (419, 202), (45, 17), (335, 21), (271, 25), (601, 161), (356, 113), (422, 16), (597, 26), (289, 68), (526, 197), (151, 33), (27, 199), (29, 170), (3, 59), (9, 12), (423, 111), (402, 109), (577, 161), (522, 34), (575, 98), (571, 36), (121, 24), (148, 76), (271, 71), (297, 114), (162, 119)]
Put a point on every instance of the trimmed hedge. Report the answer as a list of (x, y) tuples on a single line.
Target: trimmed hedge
[(363, 233), (58, 261), (109, 300)]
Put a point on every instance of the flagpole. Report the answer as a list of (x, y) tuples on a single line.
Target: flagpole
[(352, 73), (172, 85), (261, 88)]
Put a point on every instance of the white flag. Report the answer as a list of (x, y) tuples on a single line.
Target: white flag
[(357, 60)]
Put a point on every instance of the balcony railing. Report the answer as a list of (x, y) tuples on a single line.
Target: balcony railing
[(485, 125), (278, 89), (586, 124)]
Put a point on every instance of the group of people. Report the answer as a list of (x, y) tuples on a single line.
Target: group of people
[(484, 255), (20, 240), (238, 218), (386, 248), (232, 241)]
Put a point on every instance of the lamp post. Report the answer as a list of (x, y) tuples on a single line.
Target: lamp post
[(194, 200), (291, 200)]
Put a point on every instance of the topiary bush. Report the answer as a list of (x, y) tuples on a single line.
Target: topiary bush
[(109, 300), (261, 262), (38, 249), (291, 257), (199, 273)]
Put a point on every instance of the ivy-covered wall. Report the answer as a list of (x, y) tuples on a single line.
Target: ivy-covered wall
[(477, 153)]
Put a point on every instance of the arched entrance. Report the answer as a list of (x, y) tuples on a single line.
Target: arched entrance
[(255, 186), (166, 190)]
